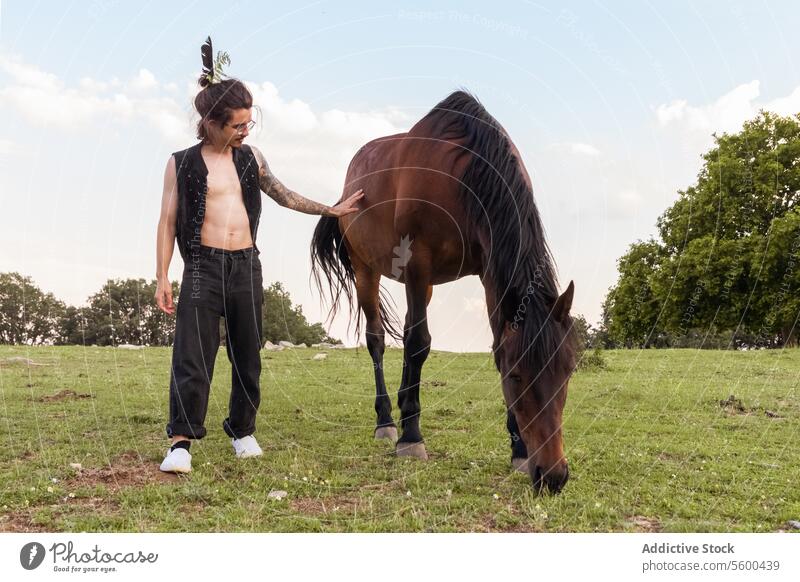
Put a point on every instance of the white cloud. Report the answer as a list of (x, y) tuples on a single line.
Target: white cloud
[(727, 113), (92, 86), (293, 116), (143, 81), (28, 75), (297, 135), (44, 100)]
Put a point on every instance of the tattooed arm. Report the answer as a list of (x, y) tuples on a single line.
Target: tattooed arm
[(291, 199)]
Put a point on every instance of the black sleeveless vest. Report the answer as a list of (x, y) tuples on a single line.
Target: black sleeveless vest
[(192, 188)]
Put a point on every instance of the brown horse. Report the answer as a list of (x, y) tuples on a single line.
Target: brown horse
[(448, 199)]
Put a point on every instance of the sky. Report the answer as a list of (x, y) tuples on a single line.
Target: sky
[(610, 104)]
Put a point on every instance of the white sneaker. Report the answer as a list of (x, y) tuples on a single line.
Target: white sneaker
[(177, 461), (246, 447)]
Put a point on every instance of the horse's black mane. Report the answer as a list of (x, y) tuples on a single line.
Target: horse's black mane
[(500, 202)]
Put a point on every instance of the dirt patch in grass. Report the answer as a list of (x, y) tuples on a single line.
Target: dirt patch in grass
[(127, 470), (63, 395), (434, 383), (491, 524), (20, 521), (640, 523), (733, 405), (23, 520)]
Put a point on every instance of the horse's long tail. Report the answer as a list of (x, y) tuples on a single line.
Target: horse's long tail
[(329, 256)]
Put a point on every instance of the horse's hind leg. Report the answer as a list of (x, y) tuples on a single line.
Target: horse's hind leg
[(417, 346), (367, 288), (519, 453)]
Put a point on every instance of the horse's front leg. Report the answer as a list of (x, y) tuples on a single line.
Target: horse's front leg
[(519, 453)]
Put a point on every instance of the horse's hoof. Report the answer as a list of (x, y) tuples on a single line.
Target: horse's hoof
[(386, 432), (520, 465), (416, 450)]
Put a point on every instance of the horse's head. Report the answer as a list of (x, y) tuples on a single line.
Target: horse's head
[(535, 388)]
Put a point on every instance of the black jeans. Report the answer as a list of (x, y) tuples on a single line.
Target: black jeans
[(217, 283)]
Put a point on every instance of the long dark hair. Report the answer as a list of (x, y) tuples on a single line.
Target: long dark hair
[(499, 201), (216, 101)]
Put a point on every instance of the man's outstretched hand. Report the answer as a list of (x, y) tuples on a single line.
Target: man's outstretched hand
[(347, 206)]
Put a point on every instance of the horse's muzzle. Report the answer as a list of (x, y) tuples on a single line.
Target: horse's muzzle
[(552, 480)]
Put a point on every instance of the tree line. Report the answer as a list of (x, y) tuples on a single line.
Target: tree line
[(724, 270), (124, 312)]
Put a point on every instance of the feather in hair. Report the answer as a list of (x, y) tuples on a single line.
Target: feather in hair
[(207, 53)]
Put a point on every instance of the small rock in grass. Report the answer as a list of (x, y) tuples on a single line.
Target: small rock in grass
[(320, 357), (277, 495), (76, 466), (794, 523)]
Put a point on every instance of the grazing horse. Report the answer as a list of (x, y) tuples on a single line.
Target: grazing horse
[(448, 199)]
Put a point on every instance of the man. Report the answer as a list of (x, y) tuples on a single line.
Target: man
[(211, 203)]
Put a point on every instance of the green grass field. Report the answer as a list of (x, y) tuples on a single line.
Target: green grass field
[(651, 446)]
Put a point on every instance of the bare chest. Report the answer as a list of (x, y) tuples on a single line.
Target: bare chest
[(222, 180)]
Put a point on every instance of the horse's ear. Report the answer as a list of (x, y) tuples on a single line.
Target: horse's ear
[(564, 303)]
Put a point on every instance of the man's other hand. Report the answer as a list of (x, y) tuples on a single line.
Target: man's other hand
[(164, 296)]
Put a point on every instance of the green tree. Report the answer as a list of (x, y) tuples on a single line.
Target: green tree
[(727, 258), (124, 312), (775, 271), (27, 314), (282, 321), (632, 307), (72, 326), (583, 331)]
